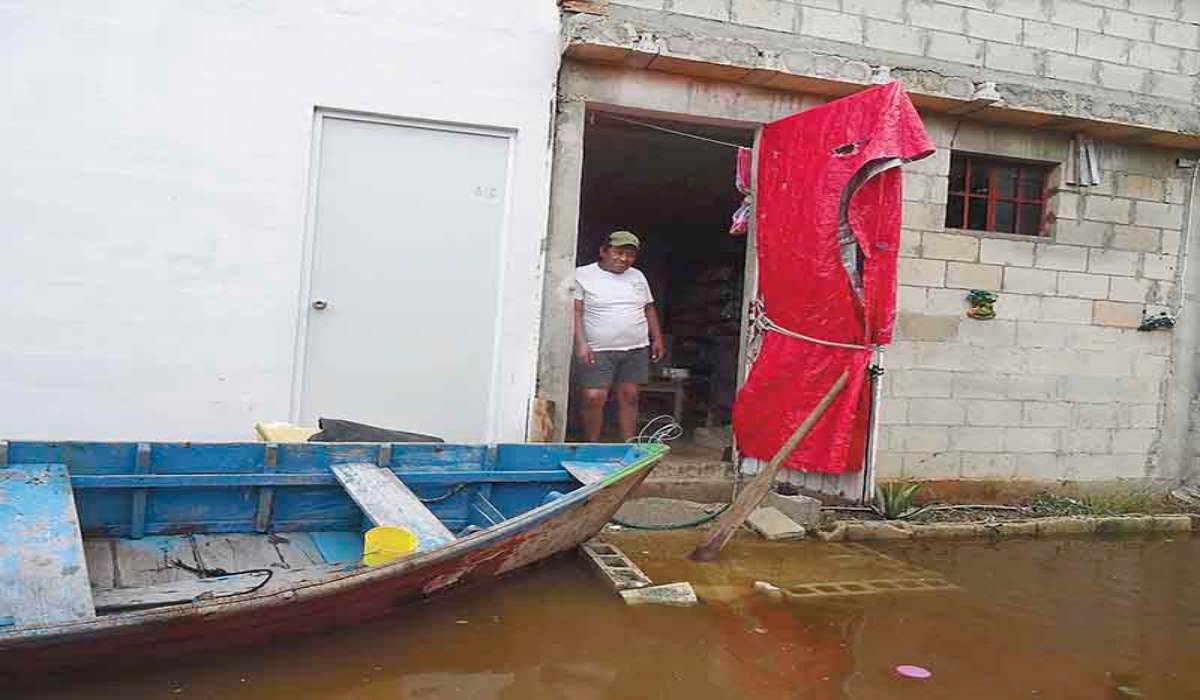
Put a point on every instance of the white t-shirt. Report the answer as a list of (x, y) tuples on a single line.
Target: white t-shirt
[(614, 307)]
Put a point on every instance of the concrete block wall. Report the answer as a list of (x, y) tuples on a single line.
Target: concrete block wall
[(1150, 47), (1060, 385)]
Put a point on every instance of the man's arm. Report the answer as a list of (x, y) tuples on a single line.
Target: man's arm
[(582, 350), (657, 347)]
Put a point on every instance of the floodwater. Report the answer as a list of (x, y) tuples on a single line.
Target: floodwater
[(1043, 619)]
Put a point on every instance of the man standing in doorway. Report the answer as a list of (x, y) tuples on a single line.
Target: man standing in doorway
[(617, 334)]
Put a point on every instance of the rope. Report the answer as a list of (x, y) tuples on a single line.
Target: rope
[(762, 323), (672, 131), (673, 526), (444, 497)]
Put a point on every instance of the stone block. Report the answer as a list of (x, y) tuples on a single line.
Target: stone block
[(985, 465), (993, 27), (1140, 415), (1172, 87), (1043, 35), (1158, 214), (1184, 36), (1035, 334), (980, 385), (1112, 262), (1118, 77), (890, 11), (919, 327), (1116, 313), (1065, 527), (777, 15), (1056, 414), (1018, 440), (946, 302), (977, 439), (1135, 238), (955, 48), (1087, 233), (1076, 14), (948, 531), (999, 251), (774, 525), (1061, 257), (1129, 25), (950, 246), (1170, 243), (1015, 59), (1141, 187), (920, 383), (1029, 9), (923, 216), (994, 333), (1133, 441), (936, 412), (939, 465), (1124, 525), (972, 276), (801, 509), (1113, 49), (1033, 387), (1087, 441), (1135, 289), (1065, 205), (993, 413), (1107, 209), (947, 356), (1073, 68), (675, 594), (925, 273), (910, 243), (1065, 310), (924, 438), (1007, 529), (900, 38), (1172, 523), (1177, 188), (835, 26), (1097, 415), (1158, 267), (1021, 307), (1037, 466), (1029, 281), (910, 299), (893, 411), (709, 9), (857, 532), (1082, 284), (1147, 55), (937, 15)]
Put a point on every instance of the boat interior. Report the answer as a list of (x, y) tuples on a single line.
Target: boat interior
[(91, 529)]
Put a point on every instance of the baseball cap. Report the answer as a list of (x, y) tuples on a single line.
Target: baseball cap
[(620, 238)]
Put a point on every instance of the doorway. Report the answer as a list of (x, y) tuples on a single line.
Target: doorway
[(401, 313), (677, 193)]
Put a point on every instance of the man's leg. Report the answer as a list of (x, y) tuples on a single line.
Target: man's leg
[(627, 409), (592, 412)]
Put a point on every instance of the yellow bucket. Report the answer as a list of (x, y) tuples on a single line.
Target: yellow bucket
[(385, 544)]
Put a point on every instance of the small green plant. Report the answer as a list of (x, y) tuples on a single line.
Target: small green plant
[(1116, 503), (895, 500)]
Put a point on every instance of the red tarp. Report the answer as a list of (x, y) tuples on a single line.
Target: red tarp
[(824, 172)]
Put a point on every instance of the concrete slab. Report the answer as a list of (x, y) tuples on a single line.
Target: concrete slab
[(803, 509), (774, 525), (677, 594)]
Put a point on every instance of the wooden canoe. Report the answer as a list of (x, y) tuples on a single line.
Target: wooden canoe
[(118, 553)]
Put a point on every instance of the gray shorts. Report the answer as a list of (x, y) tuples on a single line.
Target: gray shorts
[(615, 367)]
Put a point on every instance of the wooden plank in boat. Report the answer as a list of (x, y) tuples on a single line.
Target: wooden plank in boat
[(387, 501), (297, 549), (43, 570), (99, 555), (589, 472), (147, 562), (236, 552)]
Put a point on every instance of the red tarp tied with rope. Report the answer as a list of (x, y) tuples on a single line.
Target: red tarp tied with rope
[(828, 234)]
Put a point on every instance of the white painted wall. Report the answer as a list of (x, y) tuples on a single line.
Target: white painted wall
[(153, 190)]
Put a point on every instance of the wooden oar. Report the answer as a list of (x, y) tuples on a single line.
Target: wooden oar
[(758, 489)]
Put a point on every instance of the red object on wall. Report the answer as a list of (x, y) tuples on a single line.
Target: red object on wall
[(828, 234)]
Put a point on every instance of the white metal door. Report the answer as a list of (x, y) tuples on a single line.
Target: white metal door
[(401, 309)]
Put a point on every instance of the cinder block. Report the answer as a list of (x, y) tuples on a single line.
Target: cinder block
[(910, 243), (1066, 310), (938, 465), (1016, 59), (1129, 25), (1108, 209), (1172, 87), (1035, 334), (890, 11), (1184, 36), (980, 385), (993, 413), (1158, 267), (834, 26), (1020, 440), (926, 273), (919, 383), (950, 246), (1177, 188), (1087, 233), (1033, 387), (1117, 313), (924, 438), (910, 299), (1159, 214), (1117, 77), (923, 216), (920, 327), (1141, 415), (999, 251), (1076, 14), (972, 276), (1170, 244), (711, 9), (1141, 187), (801, 509), (1095, 415), (766, 14), (1020, 307), (955, 48), (945, 302), (937, 15), (1064, 204), (1073, 68), (973, 439), (1029, 9), (992, 334), (1133, 441), (1106, 48), (936, 412), (1087, 389), (1133, 289), (994, 27), (1089, 441), (675, 594), (1112, 262), (1030, 281), (987, 465), (1043, 35), (1083, 285), (893, 411), (946, 356), (1061, 257), (1137, 238), (1146, 55), (1046, 414)]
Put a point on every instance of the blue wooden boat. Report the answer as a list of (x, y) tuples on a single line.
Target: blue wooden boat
[(116, 553)]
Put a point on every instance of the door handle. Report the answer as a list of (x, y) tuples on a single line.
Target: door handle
[(320, 304)]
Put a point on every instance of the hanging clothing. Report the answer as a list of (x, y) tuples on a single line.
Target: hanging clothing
[(741, 179), (828, 236)]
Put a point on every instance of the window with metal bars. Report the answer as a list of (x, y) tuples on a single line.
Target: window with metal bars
[(992, 194)]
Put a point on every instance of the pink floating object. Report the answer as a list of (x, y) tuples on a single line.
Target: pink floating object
[(914, 672)]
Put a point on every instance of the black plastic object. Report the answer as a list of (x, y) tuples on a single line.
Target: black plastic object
[(337, 430)]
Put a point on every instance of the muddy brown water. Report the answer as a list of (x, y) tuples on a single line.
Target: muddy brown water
[(1055, 620)]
